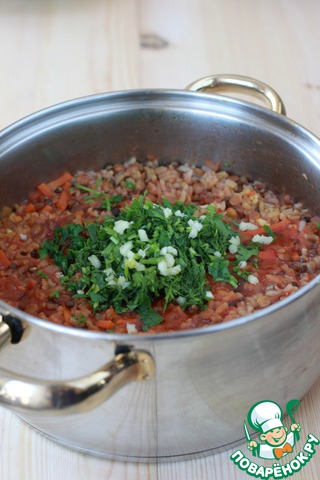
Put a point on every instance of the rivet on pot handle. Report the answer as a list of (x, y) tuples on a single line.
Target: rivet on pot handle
[(240, 84), (78, 395)]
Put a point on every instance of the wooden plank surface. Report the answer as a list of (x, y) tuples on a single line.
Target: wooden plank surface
[(55, 50)]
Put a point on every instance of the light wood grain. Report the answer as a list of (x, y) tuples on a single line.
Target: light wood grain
[(55, 50)]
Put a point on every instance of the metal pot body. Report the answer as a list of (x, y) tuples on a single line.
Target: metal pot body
[(205, 380)]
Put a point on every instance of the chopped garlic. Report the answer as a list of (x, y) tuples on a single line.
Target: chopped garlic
[(110, 276), (169, 259), (130, 254), (244, 226), (167, 212), (121, 225), (143, 235), (209, 295), (23, 236), (196, 226), (122, 282), (234, 244), (253, 279), (242, 264), (94, 260), (131, 328), (178, 213), (301, 226), (140, 267), (166, 266), (167, 272), (131, 263), (181, 301), (126, 248), (262, 239), (109, 272), (169, 249)]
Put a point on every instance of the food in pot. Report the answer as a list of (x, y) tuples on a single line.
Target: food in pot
[(148, 248)]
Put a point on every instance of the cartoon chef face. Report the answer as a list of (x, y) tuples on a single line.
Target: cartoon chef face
[(266, 417), (276, 436)]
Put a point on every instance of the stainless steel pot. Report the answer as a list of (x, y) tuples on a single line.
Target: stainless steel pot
[(176, 394)]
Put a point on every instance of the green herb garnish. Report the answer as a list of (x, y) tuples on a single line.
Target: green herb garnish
[(148, 251), (106, 201), (129, 184), (80, 319), (55, 294), (42, 274), (269, 231)]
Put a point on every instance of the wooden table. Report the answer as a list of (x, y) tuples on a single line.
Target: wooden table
[(54, 50)]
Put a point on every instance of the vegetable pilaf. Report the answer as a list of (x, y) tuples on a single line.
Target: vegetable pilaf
[(139, 247)]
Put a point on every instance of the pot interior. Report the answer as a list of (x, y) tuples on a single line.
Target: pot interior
[(92, 132)]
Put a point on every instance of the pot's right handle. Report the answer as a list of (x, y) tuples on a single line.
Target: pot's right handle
[(240, 84), (78, 395)]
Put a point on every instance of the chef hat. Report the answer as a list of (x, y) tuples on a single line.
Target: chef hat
[(265, 416)]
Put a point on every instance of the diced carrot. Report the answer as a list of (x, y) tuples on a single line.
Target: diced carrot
[(62, 203), (45, 190), (295, 256), (46, 208), (251, 193), (276, 227), (105, 324), (66, 316), (60, 181), (31, 284), (34, 196), (268, 254), (122, 321), (30, 208), (4, 260)]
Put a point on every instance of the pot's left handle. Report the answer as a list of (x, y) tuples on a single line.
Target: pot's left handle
[(78, 395)]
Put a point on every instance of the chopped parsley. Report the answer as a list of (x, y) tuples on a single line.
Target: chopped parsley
[(106, 201), (81, 319), (55, 294), (269, 231), (42, 274), (129, 184), (149, 251)]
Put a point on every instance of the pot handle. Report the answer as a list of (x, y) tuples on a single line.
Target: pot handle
[(240, 84), (24, 394)]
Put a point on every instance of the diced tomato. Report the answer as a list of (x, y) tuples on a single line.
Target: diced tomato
[(4, 260)]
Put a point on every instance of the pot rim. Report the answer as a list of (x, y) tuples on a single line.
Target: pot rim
[(68, 107), (56, 112)]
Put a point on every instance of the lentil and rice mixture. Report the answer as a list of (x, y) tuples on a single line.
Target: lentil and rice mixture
[(285, 232)]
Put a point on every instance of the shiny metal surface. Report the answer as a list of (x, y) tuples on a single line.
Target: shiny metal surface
[(5, 334), (239, 83), (24, 394), (207, 379)]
